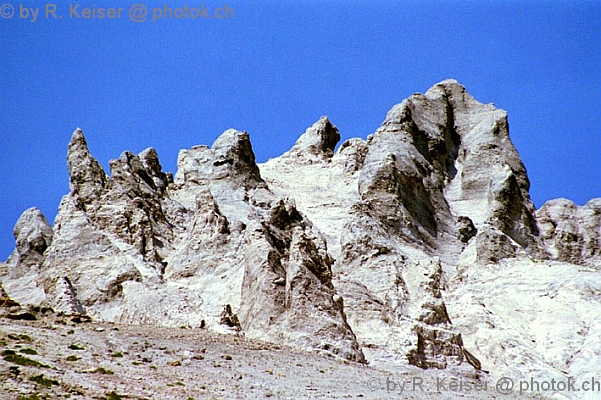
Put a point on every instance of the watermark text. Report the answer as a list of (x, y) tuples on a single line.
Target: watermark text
[(135, 13), (504, 385)]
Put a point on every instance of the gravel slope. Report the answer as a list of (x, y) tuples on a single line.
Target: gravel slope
[(144, 362)]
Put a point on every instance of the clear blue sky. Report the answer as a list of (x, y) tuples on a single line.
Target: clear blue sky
[(276, 67)]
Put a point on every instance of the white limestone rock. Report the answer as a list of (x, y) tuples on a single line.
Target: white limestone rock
[(439, 180), (287, 292), (572, 233), (33, 235), (140, 248), (419, 245)]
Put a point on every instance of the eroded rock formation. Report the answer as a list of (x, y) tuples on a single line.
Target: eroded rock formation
[(374, 249)]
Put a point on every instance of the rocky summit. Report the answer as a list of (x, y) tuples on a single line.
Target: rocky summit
[(417, 246)]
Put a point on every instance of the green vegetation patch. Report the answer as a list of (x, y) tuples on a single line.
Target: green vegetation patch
[(32, 396), (76, 347), (13, 357), (102, 370), (21, 338), (28, 351), (112, 396), (44, 381)]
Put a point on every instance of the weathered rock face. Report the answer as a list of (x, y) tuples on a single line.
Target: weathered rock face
[(253, 250), (438, 174), (443, 156), (87, 178), (572, 233), (33, 235), (288, 271), (109, 232), (385, 246), (137, 247), (434, 194), (316, 144)]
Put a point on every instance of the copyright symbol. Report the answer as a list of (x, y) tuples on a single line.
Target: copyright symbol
[(7, 11), (505, 385), (374, 384), (137, 13)]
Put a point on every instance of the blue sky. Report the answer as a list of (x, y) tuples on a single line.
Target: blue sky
[(275, 67)]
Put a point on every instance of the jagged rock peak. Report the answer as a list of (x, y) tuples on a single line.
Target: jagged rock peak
[(572, 233), (318, 141), (32, 231), (234, 148), (463, 147), (458, 97), (391, 251), (230, 159), (150, 159), (33, 235), (87, 178)]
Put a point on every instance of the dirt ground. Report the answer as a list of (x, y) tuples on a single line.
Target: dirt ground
[(63, 357)]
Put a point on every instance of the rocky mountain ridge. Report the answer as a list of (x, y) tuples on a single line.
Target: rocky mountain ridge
[(409, 247)]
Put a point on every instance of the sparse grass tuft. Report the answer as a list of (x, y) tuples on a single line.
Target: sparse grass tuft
[(32, 396), (73, 358), (44, 381), (118, 354), (76, 347), (112, 396), (13, 357), (104, 371), (21, 338), (28, 351)]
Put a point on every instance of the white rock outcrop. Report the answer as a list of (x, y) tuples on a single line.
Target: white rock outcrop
[(419, 245), (138, 247), (572, 233)]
